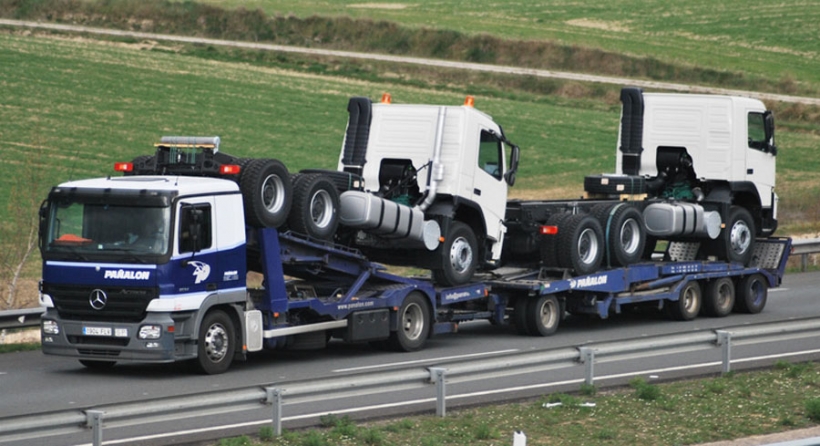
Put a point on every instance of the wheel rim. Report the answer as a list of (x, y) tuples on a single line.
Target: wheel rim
[(461, 255), (548, 313), (588, 246), (630, 236), (273, 193), (740, 237), (216, 342), (321, 209), (689, 300), (413, 321)]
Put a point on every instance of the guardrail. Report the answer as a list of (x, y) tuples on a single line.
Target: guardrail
[(25, 318), (804, 248), (95, 419)]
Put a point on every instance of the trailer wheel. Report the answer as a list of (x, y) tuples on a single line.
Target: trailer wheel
[(521, 316), (216, 343), (752, 293), (267, 192), (544, 315), (580, 244), (688, 304), (624, 233), (315, 207), (413, 324), (459, 254), (719, 297), (97, 365), (737, 241)]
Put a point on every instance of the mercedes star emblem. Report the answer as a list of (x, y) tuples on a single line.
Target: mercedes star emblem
[(98, 299)]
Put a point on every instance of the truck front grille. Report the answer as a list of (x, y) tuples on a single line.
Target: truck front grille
[(121, 304)]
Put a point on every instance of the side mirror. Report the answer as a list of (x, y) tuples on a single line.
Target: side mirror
[(509, 175), (768, 129)]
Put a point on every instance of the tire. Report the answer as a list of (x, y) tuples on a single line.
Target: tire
[(544, 315), (315, 211), (719, 297), (549, 243), (737, 240), (267, 192), (520, 316), (413, 324), (624, 233), (752, 293), (580, 245), (688, 304), (216, 343), (97, 365), (459, 256)]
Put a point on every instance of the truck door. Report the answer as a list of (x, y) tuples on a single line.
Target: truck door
[(760, 156), (489, 187)]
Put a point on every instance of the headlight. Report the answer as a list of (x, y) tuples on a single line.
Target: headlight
[(150, 332), (50, 327)]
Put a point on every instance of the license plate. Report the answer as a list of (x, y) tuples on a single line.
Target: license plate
[(97, 331)]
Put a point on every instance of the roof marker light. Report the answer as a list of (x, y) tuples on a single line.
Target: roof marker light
[(387, 99), (469, 101)]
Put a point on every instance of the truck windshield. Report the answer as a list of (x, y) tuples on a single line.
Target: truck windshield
[(108, 230)]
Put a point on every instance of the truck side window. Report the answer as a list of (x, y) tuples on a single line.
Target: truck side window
[(490, 154), (757, 131), (195, 220)]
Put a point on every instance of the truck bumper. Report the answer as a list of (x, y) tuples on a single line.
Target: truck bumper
[(110, 341)]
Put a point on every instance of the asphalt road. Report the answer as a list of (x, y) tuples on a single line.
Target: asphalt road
[(32, 383)]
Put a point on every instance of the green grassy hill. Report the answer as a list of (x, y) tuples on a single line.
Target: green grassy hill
[(776, 41)]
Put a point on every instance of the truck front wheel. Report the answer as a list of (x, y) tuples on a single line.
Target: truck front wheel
[(459, 254), (217, 343), (413, 324), (737, 240)]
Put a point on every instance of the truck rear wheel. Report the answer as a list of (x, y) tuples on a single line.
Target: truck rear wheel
[(737, 241), (688, 304), (217, 343), (580, 245), (267, 192), (413, 324), (719, 297), (459, 256), (549, 243), (315, 207), (624, 233), (752, 293)]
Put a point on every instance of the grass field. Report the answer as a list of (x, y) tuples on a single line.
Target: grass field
[(774, 40), (686, 412)]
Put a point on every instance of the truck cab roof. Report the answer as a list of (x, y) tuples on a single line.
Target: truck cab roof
[(178, 185)]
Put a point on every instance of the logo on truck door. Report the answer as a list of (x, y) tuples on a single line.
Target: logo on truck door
[(201, 271)]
